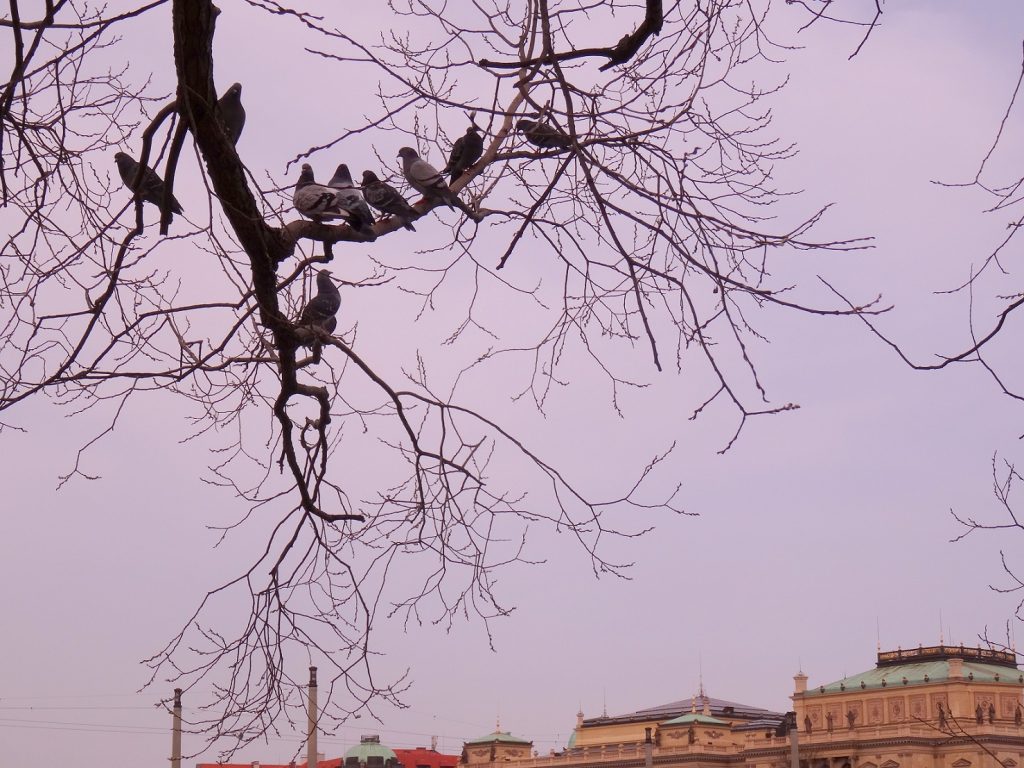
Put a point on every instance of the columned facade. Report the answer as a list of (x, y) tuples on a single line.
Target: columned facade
[(934, 707)]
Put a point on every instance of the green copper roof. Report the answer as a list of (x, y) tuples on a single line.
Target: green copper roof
[(572, 741), (918, 674), (503, 737), (695, 718), (367, 749)]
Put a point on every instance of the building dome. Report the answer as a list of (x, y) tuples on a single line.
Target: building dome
[(370, 752)]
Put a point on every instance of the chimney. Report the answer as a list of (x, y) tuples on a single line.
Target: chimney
[(800, 682), (312, 756), (956, 669), (176, 730)]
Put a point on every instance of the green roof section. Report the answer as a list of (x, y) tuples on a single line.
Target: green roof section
[(693, 717), (920, 673), (501, 737), (370, 746)]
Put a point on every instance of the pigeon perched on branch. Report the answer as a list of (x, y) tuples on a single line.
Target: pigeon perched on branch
[(465, 152), (315, 201), (543, 135), (351, 200), (426, 180), (387, 199), (231, 112), (150, 187), (320, 311)]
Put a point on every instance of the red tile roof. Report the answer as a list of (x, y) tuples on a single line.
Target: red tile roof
[(334, 762), (411, 758)]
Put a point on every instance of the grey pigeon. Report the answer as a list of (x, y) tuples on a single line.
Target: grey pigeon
[(313, 200), (425, 179), (465, 151), (320, 311), (350, 198), (150, 187), (231, 112), (387, 199), (542, 135)]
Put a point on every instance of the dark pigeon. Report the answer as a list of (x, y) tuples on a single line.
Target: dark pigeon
[(351, 200), (320, 311), (542, 135), (465, 152), (150, 187), (387, 199), (315, 201), (231, 112), (426, 180)]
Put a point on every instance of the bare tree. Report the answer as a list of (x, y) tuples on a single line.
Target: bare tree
[(646, 214), (991, 276), (1004, 476)]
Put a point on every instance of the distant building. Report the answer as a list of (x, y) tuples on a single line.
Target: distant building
[(368, 753), (935, 707), (497, 747)]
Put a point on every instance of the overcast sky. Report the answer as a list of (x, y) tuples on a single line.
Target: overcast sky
[(821, 533)]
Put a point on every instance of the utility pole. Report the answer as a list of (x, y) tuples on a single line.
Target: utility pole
[(176, 730), (794, 749), (311, 753)]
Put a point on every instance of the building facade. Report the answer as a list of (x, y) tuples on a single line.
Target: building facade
[(934, 707)]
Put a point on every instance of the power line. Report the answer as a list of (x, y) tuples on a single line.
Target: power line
[(153, 728), (35, 708)]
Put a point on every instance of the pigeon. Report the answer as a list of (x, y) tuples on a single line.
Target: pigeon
[(315, 201), (425, 179), (352, 201), (320, 311), (542, 135), (386, 199), (150, 187), (231, 112), (466, 151)]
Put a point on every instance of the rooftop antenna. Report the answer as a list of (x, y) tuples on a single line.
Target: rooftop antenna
[(942, 640), (878, 634), (700, 676), (604, 702)]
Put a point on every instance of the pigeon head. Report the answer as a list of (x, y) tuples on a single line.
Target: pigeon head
[(323, 280), (342, 175), (235, 91), (525, 125), (471, 131), (124, 161), (408, 153), (369, 177), (306, 177)]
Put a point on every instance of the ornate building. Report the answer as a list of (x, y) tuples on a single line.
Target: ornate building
[(935, 707)]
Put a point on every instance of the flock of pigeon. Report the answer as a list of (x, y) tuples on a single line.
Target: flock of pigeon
[(341, 198)]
